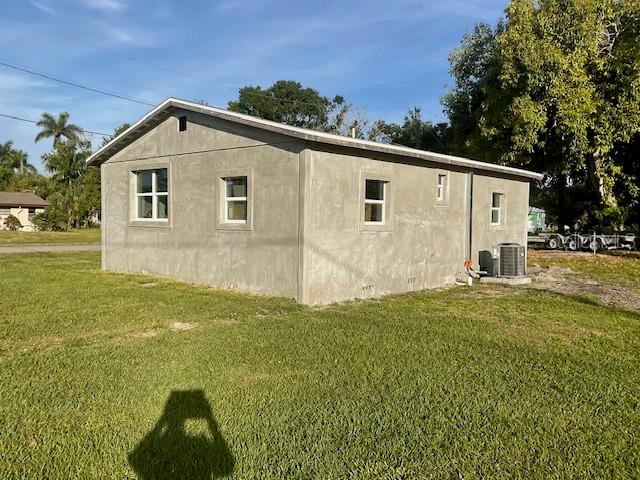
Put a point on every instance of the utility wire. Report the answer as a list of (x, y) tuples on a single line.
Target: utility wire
[(74, 84), (13, 117), (162, 67)]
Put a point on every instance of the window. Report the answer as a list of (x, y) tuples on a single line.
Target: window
[(374, 201), (441, 187), (497, 202), (235, 200), (32, 212), (182, 123), (5, 211), (152, 194)]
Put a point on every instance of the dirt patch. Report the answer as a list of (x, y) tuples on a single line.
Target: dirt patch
[(567, 282), (182, 326), (146, 334)]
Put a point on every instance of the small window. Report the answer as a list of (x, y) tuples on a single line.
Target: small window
[(497, 202), (182, 123), (441, 187), (5, 211), (152, 194), (374, 201), (235, 200)]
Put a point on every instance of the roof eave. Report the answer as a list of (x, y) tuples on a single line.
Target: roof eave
[(308, 135)]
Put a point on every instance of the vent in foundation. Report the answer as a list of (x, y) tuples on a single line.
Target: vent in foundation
[(367, 289)]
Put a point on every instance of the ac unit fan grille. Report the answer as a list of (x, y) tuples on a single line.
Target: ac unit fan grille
[(512, 260)]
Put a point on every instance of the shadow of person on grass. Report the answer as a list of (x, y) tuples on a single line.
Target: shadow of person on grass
[(185, 443)]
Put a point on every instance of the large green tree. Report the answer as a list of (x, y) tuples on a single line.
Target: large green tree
[(556, 88), (56, 128), (288, 101)]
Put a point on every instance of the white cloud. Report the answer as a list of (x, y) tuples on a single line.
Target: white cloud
[(43, 6), (110, 5)]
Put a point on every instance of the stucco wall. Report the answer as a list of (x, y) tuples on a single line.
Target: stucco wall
[(193, 246), (515, 210), (421, 247), (307, 238), (425, 242)]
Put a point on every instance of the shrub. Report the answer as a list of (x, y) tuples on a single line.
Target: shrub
[(12, 223), (51, 220)]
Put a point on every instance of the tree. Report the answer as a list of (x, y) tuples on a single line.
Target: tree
[(12, 162), (556, 88), (76, 187), (117, 131), (414, 132), (57, 128), (474, 66), (287, 101)]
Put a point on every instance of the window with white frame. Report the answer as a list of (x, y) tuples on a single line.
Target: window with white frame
[(5, 211), (235, 199), (152, 194), (441, 187), (497, 203), (374, 201)]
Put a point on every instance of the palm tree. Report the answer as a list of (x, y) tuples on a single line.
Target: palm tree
[(14, 160), (57, 128), (5, 149)]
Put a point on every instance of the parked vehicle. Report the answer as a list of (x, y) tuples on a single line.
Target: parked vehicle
[(589, 242)]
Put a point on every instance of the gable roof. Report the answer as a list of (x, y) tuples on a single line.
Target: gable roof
[(162, 111), (22, 199)]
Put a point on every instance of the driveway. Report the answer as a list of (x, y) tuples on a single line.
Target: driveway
[(37, 248)]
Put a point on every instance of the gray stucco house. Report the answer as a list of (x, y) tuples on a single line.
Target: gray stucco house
[(232, 201)]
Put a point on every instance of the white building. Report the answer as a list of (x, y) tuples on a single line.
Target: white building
[(23, 206)]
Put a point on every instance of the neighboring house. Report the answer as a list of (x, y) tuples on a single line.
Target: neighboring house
[(23, 206), (233, 201), (536, 219)]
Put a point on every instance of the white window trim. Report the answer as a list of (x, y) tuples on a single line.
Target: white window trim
[(221, 216), (497, 209), (440, 187), (228, 200), (154, 197), (369, 201)]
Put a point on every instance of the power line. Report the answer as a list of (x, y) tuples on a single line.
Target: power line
[(74, 84), (13, 117), (162, 67)]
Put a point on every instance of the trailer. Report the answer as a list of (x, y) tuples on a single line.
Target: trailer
[(588, 242)]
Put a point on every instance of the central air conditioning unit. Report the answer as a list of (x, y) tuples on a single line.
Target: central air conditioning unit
[(509, 260)]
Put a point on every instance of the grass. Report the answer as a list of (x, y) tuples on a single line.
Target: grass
[(81, 235), (616, 267), (107, 375)]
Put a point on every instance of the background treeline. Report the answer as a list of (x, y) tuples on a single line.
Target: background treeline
[(554, 87), (70, 185)]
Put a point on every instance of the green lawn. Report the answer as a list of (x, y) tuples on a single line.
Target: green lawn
[(81, 235), (104, 375)]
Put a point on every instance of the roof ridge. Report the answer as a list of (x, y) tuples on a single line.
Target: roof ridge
[(305, 134)]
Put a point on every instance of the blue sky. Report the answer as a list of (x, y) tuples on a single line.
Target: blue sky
[(383, 57)]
